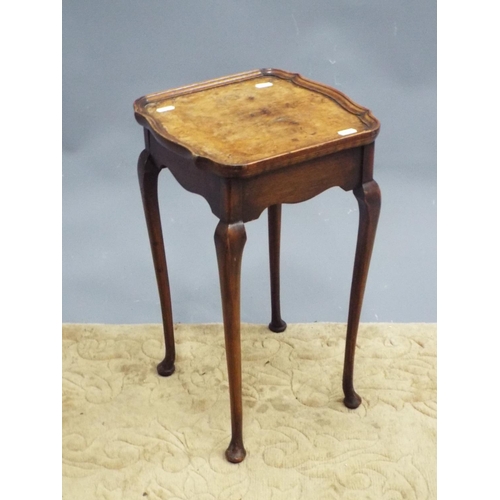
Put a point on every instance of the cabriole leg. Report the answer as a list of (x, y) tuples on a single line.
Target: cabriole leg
[(148, 180), (368, 196), (229, 242), (274, 225)]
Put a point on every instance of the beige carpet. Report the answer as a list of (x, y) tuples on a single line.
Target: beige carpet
[(129, 434)]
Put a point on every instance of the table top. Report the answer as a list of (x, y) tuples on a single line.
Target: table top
[(255, 117)]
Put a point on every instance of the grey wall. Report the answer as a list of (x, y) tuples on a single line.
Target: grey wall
[(382, 54)]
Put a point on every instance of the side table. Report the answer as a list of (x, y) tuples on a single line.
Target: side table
[(246, 143)]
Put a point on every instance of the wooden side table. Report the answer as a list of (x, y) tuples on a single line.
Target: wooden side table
[(245, 143)]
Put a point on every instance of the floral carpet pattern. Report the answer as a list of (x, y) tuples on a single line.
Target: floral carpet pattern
[(130, 434)]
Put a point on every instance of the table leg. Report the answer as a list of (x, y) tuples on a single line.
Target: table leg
[(274, 225), (148, 180), (229, 242), (368, 196)]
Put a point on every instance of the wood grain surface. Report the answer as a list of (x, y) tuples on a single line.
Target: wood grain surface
[(253, 117)]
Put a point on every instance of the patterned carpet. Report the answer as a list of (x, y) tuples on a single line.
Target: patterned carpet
[(129, 434)]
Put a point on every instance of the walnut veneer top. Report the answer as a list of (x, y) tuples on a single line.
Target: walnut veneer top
[(255, 117)]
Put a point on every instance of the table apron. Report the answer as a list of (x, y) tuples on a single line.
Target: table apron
[(234, 199), (301, 182)]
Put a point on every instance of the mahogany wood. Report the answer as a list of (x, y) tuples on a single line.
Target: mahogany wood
[(274, 225), (148, 181), (280, 156), (301, 181), (229, 242), (368, 196)]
